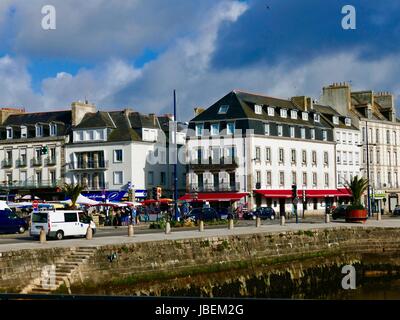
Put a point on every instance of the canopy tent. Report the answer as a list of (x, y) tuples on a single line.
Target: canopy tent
[(29, 197), (153, 201), (133, 204), (82, 200)]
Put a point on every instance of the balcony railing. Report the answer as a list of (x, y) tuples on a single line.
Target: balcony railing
[(36, 162), (7, 163), (88, 165), (222, 187), (51, 161), (210, 163), (96, 186), (20, 163), (30, 184)]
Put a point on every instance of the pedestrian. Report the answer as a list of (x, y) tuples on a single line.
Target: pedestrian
[(133, 215)]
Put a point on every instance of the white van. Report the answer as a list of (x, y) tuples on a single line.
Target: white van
[(60, 223)]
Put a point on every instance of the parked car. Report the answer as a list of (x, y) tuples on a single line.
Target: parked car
[(249, 215), (340, 212), (61, 223), (396, 211), (265, 213), (207, 214), (9, 221)]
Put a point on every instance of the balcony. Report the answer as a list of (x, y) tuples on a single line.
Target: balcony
[(96, 186), (50, 161), (88, 165), (30, 184), (208, 187), (224, 163), (7, 163), (36, 162), (21, 163)]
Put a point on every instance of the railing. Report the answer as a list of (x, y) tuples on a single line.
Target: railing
[(51, 161), (97, 186), (6, 163), (30, 184), (21, 163), (36, 162), (209, 163), (85, 165), (207, 187)]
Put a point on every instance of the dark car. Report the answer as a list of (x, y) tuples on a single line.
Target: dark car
[(340, 212), (205, 214), (249, 215), (265, 213), (11, 223), (396, 211)]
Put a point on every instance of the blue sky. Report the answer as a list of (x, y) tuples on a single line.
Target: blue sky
[(132, 53)]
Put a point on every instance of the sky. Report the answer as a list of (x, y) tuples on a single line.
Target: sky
[(134, 53)]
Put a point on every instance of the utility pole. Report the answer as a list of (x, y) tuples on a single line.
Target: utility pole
[(175, 161), (369, 187)]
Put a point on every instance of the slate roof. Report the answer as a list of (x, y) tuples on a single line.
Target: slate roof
[(37, 117), (99, 119)]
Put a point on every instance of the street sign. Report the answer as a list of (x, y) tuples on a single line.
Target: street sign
[(35, 205)]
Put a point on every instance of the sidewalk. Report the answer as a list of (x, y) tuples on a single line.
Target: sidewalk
[(208, 233)]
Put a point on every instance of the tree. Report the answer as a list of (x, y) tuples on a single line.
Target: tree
[(73, 191), (357, 187)]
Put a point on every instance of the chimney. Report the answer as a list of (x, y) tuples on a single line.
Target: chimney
[(386, 101), (303, 102), (79, 109), (154, 118), (198, 110), (338, 96), (127, 112), (6, 112)]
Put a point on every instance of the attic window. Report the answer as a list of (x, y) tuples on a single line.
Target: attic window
[(271, 111), (335, 120), (39, 130), (223, 109), (283, 113), (347, 122), (257, 109), (316, 117), (293, 114), (9, 131), (24, 132), (304, 116), (53, 129)]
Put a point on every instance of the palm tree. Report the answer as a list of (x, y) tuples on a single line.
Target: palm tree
[(357, 187), (73, 191)]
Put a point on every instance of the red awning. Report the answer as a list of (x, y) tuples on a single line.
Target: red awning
[(309, 193), (217, 196)]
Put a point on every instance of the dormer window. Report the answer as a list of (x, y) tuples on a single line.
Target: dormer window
[(347, 122), (199, 129), (53, 129), (9, 131), (223, 109), (257, 109), (24, 132), (39, 130), (283, 113), (271, 111), (335, 120), (304, 116), (316, 117), (293, 114)]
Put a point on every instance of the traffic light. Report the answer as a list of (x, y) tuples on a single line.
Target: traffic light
[(294, 191), (44, 150), (154, 193)]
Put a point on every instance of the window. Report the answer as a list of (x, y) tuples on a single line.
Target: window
[(293, 158), (335, 120), (347, 122), (258, 176), (79, 135), (350, 138), (214, 129), (91, 135), (338, 157), (294, 177), (118, 177), (118, 155), (100, 134), (199, 129), (370, 136), (283, 113), (269, 182), (39, 130), (395, 158), (281, 155), (326, 158), (304, 157), (312, 133), (338, 134), (316, 117), (378, 157), (24, 132), (389, 159), (163, 178), (314, 179), (70, 217), (350, 157), (9, 155), (357, 158), (324, 135), (9, 133), (304, 116), (52, 174), (266, 129), (356, 141), (293, 114), (151, 177), (38, 177), (292, 132), (326, 179), (223, 109), (303, 133), (339, 178), (281, 178), (344, 137), (268, 154), (314, 158), (394, 138), (271, 111), (280, 131), (304, 178), (388, 137), (53, 129), (230, 128), (258, 154), (377, 135), (257, 109), (344, 157)]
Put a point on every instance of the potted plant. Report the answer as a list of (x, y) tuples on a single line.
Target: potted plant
[(356, 212)]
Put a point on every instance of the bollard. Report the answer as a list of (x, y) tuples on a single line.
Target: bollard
[(130, 230), (230, 224), (282, 220), (327, 218), (42, 236), (201, 226), (258, 222), (89, 233), (379, 216), (167, 228)]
